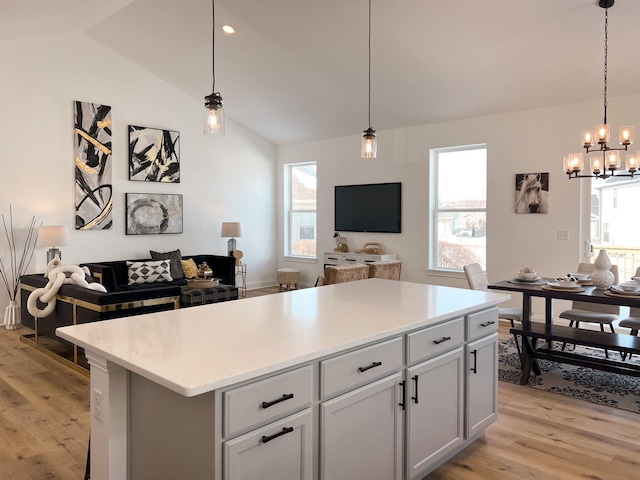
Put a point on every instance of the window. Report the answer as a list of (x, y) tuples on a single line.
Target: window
[(613, 204), (458, 207), (300, 210)]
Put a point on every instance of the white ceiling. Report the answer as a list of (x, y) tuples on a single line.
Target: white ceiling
[(296, 70)]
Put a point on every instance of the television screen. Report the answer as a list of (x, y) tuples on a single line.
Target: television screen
[(368, 208)]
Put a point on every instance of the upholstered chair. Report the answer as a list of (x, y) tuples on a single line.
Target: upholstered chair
[(588, 312), (390, 269), (345, 273), (477, 279)]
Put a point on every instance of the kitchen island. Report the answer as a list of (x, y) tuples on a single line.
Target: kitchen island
[(369, 379)]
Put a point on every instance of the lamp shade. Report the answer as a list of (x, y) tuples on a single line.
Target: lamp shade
[(56, 236), (231, 229)]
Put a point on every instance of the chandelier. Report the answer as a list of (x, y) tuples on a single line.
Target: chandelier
[(369, 145), (213, 111), (605, 160)]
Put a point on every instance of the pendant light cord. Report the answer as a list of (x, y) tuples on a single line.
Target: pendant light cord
[(606, 41), (213, 45), (369, 64)]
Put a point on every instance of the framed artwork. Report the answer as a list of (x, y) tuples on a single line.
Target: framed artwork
[(150, 213), (154, 155), (532, 193), (93, 187)]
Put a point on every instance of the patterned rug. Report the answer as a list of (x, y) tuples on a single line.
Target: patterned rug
[(596, 386)]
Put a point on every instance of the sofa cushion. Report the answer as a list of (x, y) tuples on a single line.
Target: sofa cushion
[(189, 268), (175, 257), (149, 272)]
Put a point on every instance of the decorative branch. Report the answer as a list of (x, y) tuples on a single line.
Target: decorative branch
[(18, 260)]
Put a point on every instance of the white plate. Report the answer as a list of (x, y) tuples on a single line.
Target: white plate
[(528, 281), (566, 287), (624, 292)]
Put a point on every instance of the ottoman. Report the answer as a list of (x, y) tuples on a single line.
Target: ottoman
[(288, 277), (192, 296)]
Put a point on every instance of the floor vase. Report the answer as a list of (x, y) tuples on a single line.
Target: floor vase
[(602, 277), (12, 315)]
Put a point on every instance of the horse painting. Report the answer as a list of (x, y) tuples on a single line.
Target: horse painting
[(532, 192)]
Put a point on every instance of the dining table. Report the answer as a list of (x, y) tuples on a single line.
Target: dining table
[(541, 288)]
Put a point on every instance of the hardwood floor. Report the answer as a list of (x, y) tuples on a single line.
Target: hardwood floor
[(44, 426)]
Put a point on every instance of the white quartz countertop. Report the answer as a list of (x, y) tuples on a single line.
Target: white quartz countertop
[(200, 349)]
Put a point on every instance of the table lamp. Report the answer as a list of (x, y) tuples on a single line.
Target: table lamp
[(231, 229), (53, 237)]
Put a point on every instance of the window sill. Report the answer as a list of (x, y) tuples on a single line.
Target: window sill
[(290, 258)]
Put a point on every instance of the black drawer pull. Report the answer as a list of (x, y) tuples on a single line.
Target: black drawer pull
[(374, 364), (284, 431), (284, 397), (349, 259), (402, 394), (443, 339), (487, 323)]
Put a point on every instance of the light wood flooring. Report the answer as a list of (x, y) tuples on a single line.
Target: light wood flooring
[(44, 426)]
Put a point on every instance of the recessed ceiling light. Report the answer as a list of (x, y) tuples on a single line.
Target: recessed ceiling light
[(228, 29)]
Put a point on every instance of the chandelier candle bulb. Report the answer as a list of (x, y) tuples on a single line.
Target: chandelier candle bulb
[(626, 135), (632, 162), (596, 165), (587, 138), (613, 160), (576, 162), (603, 133)]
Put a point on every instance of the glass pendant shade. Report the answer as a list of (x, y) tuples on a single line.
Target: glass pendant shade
[(596, 165), (587, 137), (603, 133), (213, 115), (573, 162), (632, 161), (369, 144), (626, 135), (613, 160)]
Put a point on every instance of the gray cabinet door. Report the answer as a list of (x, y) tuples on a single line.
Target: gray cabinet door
[(361, 433), (482, 384), (282, 450), (435, 422)]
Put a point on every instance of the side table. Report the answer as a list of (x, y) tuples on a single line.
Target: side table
[(241, 270)]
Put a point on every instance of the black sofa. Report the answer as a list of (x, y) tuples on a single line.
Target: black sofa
[(77, 305)]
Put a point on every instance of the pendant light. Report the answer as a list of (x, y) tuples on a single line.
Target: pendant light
[(369, 141), (607, 159), (213, 111)]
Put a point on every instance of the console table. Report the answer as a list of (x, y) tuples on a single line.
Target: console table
[(339, 258), (373, 379)]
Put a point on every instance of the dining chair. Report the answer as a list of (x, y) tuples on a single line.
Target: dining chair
[(477, 280), (588, 312)]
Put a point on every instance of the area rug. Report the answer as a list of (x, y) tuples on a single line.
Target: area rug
[(596, 386)]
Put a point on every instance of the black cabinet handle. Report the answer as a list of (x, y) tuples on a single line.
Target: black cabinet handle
[(443, 339), (284, 397), (349, 259), (415, 379), (474, 369), (374, 364), (284, 431), (402, 394), (487, 323)]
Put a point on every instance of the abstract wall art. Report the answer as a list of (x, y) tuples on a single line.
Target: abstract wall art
[(93, 188), (149, 213), (154, 155), (532, 193)]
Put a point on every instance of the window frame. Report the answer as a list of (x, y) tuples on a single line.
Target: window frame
[(290, 211), (435, 210)]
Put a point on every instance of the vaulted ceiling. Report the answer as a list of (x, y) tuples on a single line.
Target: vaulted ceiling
[(296, 70)]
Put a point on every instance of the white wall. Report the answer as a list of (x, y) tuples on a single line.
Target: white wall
[(230, 178), (520, 142)]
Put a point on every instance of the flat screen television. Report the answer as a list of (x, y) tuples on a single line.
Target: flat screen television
[(373, 207)]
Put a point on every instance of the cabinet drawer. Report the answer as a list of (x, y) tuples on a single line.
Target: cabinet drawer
[(434, 340), (360, 366), (482, 323), (261, 401)]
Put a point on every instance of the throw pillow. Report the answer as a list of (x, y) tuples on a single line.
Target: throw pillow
[(190, 268), (176, 264), (149, 272)]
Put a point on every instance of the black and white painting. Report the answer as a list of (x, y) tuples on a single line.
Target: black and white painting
[(93, 187), (154, 155), (149, 213), (532, 193)]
